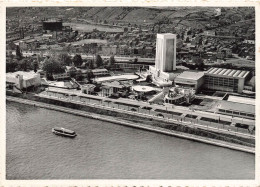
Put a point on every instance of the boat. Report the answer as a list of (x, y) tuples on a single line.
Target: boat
[(64, 132)]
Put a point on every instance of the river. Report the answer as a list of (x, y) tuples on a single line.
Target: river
[(105, 150)]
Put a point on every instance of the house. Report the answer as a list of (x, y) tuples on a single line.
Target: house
[(109, 88), (249, 42), (60, 76), (88, 88), (30, 44), (106, 91), (228, 52), (209, 33), (221, 54), (100, 72), (70, 70)]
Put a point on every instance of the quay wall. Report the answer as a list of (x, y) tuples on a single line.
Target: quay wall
[(134, 125)]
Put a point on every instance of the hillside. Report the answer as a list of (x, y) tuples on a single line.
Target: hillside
[(198, 17)]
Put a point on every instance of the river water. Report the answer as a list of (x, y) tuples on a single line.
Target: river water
[(105, 150)]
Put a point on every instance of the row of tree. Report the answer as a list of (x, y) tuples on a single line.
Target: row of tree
[(197, 63)]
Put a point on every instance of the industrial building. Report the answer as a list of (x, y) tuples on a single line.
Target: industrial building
[(229, 80), (52, 24), (190, 79)]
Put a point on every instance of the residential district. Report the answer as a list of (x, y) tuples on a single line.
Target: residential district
[(200, 74)]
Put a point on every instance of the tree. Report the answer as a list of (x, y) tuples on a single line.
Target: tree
[(99, 61), (112, 61), (149, 79), (35, 66), (198, 63), (24, 65), (11, 65), (77, 60), (90, 76), (136, 60), (64, 59), (91, 64), (18, 53), (106, 62), (51, 66)]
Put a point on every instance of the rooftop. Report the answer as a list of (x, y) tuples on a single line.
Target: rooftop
[(242, 107), (89, 41), (99, 70), (26, 75), (228, 72), (114, 84), (192, 75), (244, 100), (139, 88)]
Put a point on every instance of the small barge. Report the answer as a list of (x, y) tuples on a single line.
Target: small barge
[(64, 132)]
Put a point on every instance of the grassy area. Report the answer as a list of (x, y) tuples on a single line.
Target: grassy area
[(142, 120)]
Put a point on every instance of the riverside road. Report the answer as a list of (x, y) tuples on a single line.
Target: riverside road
[(180, 115)]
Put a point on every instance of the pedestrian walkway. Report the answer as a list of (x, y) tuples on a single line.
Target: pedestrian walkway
[(136, 110)]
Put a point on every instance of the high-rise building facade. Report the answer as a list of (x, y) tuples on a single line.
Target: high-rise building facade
[(165, 60)]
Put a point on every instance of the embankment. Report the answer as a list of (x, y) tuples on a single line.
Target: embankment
[(143, 126)]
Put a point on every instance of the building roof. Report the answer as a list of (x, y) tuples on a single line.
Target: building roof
[(228, 72), (244, 100), (26, 75), (114, 84), (89, 86), (242, 107), (139, 88), (191, 75), (99, 70)]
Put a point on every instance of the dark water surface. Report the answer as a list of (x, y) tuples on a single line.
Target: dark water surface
[(104, 150)]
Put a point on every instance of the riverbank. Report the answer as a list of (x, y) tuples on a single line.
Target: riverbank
[(135, 125)]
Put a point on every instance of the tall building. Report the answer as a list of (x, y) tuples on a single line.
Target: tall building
[(165, 60)]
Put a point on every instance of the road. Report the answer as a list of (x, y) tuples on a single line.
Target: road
[(85, 56)]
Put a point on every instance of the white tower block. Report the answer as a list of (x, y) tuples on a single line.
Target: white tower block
[(165, 60)]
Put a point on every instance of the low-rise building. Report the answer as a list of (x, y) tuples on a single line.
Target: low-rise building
[(209, 33), (249, 42), (178, 95), (88, 88), (100, 72), (29, 44), (22, 79), (60, 76), (236, 109), (190, 79), (229, 80), (109, 88)]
